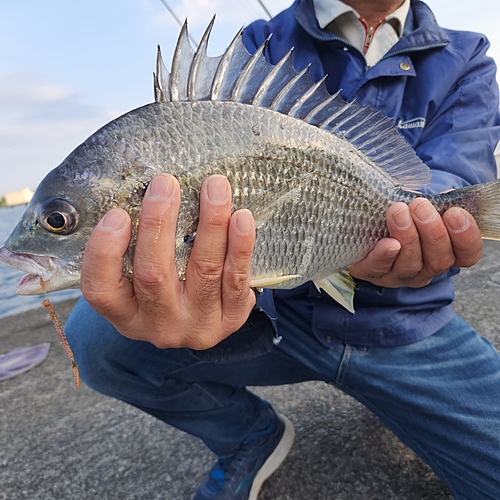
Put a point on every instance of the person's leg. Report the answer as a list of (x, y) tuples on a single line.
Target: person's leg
[(207, 400), (441, 397)]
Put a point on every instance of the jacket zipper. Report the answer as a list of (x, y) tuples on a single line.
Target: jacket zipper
[(369, 33)]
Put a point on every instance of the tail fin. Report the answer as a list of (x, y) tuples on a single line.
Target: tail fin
[(488, 208), (482, 201)]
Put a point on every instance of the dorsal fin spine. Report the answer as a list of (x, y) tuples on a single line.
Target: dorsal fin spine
[(270, 77), (282, 93), (305, 96), (222, 68), (176, 65), (320, 107), (330, 118), (247, 72), (367, 118), (200, 54), (377, 146), (161, 79), (338, 125), (159, 97), (359, 136)]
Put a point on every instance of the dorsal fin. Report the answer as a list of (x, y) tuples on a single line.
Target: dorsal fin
[(274, 81), (251, 76), (161, 80), (246, 78), (231, 64), (202, 70)]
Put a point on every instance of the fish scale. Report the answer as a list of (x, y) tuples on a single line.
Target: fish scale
[(317, 173)]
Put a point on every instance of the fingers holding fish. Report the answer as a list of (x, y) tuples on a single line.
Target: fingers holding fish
[(425, 248), (464, 235), (437, 249), (397, 261), (218, 271), (103, 283), (378, 263), (136, 309), (210, 244), (237, 297), (430, 245), (451, 240), (155, 297), (155, 275), (213, 301), (409, 261)]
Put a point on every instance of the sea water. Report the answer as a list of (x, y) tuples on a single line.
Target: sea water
[(10, 303)]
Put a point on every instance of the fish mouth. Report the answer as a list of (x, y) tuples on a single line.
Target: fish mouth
[(37, 266)]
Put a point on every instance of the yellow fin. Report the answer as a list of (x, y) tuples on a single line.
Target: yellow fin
[(267, 281), (340, 287)]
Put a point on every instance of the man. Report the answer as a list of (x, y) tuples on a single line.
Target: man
[(404, 354)]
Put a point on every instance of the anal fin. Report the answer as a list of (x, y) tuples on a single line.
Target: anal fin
[(340, 286), (269, 280)]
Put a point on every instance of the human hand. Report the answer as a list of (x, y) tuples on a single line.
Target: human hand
[(214, 301), (422, 245)]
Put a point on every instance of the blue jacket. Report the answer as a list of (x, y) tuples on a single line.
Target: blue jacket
[(440, 88)]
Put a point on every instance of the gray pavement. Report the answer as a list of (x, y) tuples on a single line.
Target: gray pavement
[(60, 443)]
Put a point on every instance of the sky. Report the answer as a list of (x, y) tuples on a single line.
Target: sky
[(68, 67)]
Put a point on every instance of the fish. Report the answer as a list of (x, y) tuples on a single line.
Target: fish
[(317, 172)]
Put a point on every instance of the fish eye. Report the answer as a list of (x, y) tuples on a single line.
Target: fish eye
[(56, 220), (58, 216)]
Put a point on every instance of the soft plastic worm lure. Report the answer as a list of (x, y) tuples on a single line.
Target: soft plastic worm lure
[(60, 331)]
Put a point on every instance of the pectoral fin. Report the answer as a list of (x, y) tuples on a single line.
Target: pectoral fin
[(340, 287), (268, 281)]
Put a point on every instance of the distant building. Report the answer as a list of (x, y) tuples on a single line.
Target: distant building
[(20, 197)]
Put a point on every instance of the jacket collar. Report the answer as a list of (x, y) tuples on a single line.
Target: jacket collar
[(421, 31)]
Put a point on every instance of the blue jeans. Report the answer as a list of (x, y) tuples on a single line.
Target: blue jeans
[(440, 396)]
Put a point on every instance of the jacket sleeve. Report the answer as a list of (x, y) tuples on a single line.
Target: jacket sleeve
[(254, 35), (461, 135)]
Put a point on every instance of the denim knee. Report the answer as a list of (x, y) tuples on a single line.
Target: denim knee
[(95, 343)]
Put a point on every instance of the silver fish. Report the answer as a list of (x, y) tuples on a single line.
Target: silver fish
[(318, 173)]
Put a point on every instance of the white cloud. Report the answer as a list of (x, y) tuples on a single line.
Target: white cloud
[(40, 124), (26, 87)]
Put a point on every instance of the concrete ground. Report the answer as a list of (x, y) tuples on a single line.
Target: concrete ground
[(60, 443)]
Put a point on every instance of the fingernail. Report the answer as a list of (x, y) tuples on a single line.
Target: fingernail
[(160, 187), (402, 218), (392, 252), (457, 220), (243, 221), (217, 189), (114, 220), (424, 212)]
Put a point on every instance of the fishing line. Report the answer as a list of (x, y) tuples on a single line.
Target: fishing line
[(178, 21)]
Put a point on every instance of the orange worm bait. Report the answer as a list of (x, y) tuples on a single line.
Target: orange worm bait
[(60, 331)]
